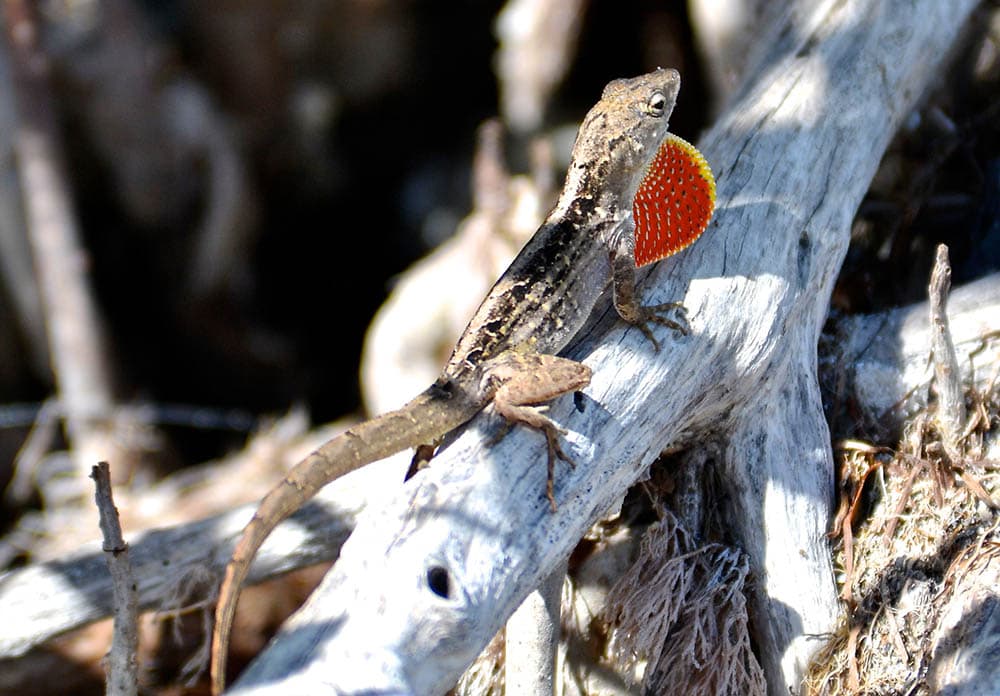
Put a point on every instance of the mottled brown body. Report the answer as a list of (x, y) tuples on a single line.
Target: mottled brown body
[(506, 355)]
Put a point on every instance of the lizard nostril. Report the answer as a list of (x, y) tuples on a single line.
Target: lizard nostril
[(438, 581)]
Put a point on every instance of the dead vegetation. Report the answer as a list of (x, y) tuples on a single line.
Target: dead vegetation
[(917, 557)]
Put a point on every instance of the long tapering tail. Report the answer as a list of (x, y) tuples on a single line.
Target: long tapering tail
[(423, 420)]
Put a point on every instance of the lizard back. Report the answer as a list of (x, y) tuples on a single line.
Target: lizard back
[(547, 293)]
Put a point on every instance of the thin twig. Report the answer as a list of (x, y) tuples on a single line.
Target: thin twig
[(122, 665), (227, 228), (947, 377), (904, 497), (39, 441)]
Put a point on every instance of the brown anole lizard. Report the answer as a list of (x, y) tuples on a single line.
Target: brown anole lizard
[(633, 194)]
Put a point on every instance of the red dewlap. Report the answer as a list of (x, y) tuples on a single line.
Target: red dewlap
[(674, 202)]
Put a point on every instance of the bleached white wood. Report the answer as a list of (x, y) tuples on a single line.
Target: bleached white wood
[(531, 640), (967, 637), (793, 155)]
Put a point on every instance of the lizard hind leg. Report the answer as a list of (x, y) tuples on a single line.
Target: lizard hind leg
[(528, 380), (533, 417)]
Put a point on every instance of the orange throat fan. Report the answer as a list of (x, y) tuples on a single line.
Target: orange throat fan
[(674, 202)]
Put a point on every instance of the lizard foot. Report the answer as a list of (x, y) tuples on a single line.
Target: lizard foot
[(555, 451), (651, 314), (525, 380), (533, 417)]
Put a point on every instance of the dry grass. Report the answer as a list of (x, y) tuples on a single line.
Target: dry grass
[(917, 535)]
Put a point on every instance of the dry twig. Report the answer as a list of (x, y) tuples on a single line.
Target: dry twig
[(122, 664), (948, 377)]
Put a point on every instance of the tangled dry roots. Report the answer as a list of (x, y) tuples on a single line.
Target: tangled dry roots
[(680, 608)]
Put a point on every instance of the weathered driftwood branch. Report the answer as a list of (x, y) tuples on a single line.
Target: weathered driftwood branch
[(422, 586)]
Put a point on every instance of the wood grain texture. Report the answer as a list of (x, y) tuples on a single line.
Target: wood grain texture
[(880, 358), (880, 361)]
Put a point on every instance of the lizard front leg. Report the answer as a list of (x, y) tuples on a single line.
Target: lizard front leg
[(523, 381), (671, 208), (623, 285)]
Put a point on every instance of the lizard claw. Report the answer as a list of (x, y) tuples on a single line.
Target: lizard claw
[(650, 314), (677, 305)]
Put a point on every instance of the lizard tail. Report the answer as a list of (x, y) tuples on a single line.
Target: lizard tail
[(424, 419)]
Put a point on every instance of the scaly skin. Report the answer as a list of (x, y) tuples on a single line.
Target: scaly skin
[(506, 356)]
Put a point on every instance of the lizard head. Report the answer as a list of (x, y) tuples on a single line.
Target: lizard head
[(618, 139)]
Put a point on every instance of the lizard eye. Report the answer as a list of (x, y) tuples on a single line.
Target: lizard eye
[(657, 104)]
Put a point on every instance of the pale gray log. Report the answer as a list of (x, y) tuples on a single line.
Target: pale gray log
[(885, 356), (967, 639), (794, 156), (532, 640)]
